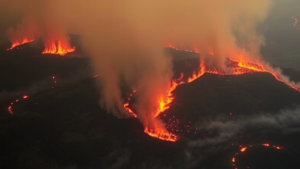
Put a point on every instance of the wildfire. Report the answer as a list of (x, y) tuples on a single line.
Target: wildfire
[(183, 48), (58, 47), (164, 101), (199, 74), (20, 42)]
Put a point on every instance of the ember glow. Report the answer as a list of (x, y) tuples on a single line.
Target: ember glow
[(21, 42), (243, 149), (25, 96), (58, 47), (14, 102)]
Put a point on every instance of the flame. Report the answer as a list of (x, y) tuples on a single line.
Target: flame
[(277, 147), (211, 51), (163, 103), (243, 149), (199, 74), (164, 100), (233, 160), (266, 144), (161, 134), (20, 42), (58, 47)]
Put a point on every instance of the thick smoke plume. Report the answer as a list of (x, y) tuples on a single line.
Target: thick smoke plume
[(27, 30), (126, 39)]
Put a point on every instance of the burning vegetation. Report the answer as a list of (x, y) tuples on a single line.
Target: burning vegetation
[(58, 47), (123, 44), (234, 67)]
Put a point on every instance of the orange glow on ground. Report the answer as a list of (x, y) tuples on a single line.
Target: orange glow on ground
[(18, 43), (58, 48)]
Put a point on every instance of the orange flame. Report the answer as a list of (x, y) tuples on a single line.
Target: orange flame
[(199, 74), (266, 144), (161, 134), (243, 149), (59, 48), (164, 101), (21, 42), (126, 107)]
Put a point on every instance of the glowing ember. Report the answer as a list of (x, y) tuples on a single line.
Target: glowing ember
[(163, 104), (57, 47), (126, 107), (16, 101), (161, 134), (266, 144), (243, 149), (25, 96), (21, 42)]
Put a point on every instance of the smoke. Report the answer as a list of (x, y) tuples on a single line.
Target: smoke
[(285, 121), (26, 30), (281, 76), (125, 40)]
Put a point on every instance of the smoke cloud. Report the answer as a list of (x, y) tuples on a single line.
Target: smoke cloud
[(125, 39)]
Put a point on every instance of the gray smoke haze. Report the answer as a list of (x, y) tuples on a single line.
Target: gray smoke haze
[(285, 121), (126, 39)]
